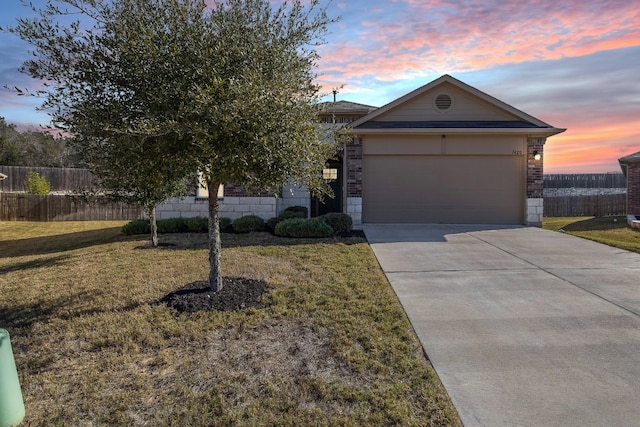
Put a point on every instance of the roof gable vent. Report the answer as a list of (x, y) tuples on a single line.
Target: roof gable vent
[(443, 102)]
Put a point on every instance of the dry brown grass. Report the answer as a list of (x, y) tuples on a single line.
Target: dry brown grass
[(612, 231), (93, 346)]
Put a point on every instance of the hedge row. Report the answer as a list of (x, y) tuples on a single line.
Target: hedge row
[(169, 225), (293, 222)]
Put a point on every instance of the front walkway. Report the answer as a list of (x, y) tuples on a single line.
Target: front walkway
[(525, 327)]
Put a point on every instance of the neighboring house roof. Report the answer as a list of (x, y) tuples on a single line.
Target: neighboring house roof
[(517, 121), (635, 157), (631, 158), (346, 107)]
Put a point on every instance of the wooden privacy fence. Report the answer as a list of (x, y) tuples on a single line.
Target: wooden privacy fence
[(60, 179), (597, 205), (585, 180), (29, 207)]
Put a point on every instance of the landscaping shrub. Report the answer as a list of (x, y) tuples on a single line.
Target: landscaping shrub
[(292, 214), (303, 227), (137, 226), (340, 222), (37, 184), (248, 223), (224, 223), (197, 224), (302, 209), (272, 222), (172, 225)]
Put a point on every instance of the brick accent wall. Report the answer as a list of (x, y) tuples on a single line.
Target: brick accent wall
[(535, 178), (234, 190), (633, 188), (353, 158)]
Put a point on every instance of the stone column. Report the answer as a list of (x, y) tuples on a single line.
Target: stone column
[(353, 160)]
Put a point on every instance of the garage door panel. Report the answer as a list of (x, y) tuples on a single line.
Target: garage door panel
[(443, 189)]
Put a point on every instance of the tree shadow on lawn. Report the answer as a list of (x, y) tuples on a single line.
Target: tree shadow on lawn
[(65, 307), (598, 224), (58, 242), (36, 263)]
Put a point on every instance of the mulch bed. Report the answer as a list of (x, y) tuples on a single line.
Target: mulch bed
[(237, 293)]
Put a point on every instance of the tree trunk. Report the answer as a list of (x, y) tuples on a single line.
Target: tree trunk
[(151, 212), (215, 277)]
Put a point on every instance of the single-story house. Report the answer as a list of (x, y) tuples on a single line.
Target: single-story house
[(444, 153), (235, 201), (630, 166)]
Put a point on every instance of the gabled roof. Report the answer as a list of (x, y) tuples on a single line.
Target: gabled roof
[(631, 158), (522, 123), (635, 157)]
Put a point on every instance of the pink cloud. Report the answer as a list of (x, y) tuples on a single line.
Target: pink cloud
[(592, 147), (445, 36)]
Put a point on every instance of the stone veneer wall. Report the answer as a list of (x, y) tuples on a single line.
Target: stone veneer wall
[(535, 181), (354, 209), (293, 195), (237, 202), (230, 207)]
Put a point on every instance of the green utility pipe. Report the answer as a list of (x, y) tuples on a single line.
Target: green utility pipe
[(11, 403)]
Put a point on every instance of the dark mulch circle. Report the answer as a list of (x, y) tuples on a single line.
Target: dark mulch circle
[(353, 233), (237, 293)]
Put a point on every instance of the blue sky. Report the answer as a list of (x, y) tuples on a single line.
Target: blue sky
[(572, 63)]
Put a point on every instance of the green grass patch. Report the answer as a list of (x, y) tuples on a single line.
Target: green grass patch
[(612, 231), (332, 346)]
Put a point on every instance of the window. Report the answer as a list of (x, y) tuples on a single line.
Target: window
[(330, 174), (203, 192)]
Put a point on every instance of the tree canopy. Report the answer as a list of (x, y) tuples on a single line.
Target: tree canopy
[(228, 89)]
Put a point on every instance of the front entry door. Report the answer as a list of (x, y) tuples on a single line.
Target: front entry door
[(333, 175)]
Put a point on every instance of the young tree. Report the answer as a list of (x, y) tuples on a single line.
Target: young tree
[(127, 171), (101, 90), (227, 90), (256, 103)]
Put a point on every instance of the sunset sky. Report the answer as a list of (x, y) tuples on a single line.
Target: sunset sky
[(572, 63)]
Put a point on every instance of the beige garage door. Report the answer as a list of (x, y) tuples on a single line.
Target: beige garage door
[(443, 189)]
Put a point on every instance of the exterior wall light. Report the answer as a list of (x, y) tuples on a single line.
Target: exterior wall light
[(537, 155)]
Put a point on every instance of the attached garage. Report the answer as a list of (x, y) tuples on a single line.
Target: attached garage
[(447, 153), (443, 189)]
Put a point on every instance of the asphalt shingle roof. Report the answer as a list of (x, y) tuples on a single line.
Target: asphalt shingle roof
[(635, 157), (448, 125)]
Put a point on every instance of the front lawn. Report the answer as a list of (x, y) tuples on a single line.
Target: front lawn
[(94, 345), (612, 231)]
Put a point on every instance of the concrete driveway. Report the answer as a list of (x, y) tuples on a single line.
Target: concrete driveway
[(525, 327)]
